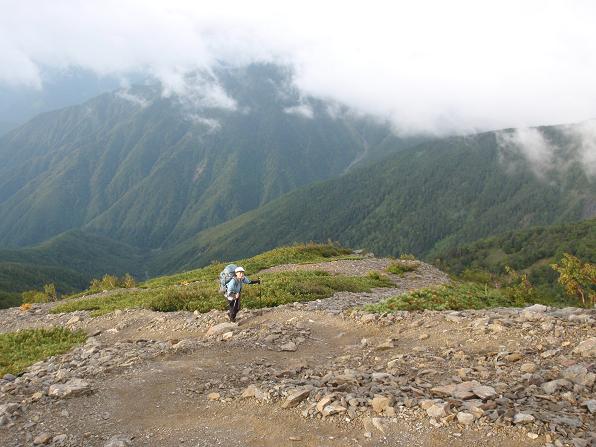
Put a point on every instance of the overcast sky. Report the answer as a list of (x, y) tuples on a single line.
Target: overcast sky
[(426, 65)]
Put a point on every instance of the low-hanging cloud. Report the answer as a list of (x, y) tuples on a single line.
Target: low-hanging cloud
[(126, 95), (211, 125), (301, 110), (574, 143), (198, 92), (429, 66), (532, 144), (583, 136)]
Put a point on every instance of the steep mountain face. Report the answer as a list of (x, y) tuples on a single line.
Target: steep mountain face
[(435, 196), (152, 171)]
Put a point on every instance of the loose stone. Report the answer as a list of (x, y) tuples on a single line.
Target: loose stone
[(523, 418), (465, 418), (295, 398)]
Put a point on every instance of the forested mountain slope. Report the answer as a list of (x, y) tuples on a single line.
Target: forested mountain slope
[(152, 171), (435, 196), (69, 260), (531, 250)]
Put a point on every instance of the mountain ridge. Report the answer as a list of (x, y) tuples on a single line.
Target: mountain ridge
[(151, 171), (403, 204)]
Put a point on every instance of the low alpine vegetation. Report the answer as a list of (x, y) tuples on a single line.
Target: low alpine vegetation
[(48, 294), (578, 278), (110, 282), (456, 296), (203, 295), (295, 254), (18, 350), (107, 282), (401, 267)]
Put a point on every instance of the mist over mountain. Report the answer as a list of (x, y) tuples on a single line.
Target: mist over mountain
[(61, 89), (5, 126), (153, 170)]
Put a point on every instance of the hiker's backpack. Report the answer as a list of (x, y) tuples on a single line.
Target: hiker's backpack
[(225, 276)]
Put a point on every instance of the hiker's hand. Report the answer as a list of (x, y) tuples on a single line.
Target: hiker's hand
[(237, 296), (256, 281)]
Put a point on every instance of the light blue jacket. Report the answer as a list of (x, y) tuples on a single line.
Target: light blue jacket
[(235, 286)]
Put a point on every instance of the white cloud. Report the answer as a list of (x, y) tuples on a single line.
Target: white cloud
[(584, 136), (301, 109), (16, 68), (211, 124), (136, 100), (199, 92), (531, 143), (577, 143), (428, 65)]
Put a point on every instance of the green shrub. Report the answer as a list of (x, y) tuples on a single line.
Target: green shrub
[(50, 291), (477, 276), (18, 350), (169, 302), (37, 296), (407, 257), (34, 296), (111, 282), (518, 288), (173, 299), (108, 282), (578, 278), (127, 281), (374, 275), (456, 296), (401, 267)]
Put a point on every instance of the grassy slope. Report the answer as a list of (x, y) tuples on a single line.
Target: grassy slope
[(197, 289), (531, 250), (21, 349), (457, 296)]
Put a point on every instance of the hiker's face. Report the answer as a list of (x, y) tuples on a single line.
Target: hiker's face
[(240, 274)]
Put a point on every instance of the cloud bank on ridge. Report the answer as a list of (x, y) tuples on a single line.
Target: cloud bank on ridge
[(430, 66)]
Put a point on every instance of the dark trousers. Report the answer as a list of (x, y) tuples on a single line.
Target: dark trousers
[(234, 307)]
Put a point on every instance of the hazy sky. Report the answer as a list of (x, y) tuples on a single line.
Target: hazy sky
[(426, 65)]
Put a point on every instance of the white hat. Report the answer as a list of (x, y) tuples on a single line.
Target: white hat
[(238, 269)]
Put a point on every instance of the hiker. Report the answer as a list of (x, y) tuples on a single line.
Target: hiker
[(233, 290)]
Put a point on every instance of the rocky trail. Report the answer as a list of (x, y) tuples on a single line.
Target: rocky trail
[(323, 373)]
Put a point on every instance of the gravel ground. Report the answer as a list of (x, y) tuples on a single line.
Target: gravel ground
[(311, 374)]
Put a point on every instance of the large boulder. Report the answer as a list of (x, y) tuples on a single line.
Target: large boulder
[(74, 387)]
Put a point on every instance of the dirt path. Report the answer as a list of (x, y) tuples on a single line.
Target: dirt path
[(150, 378)]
